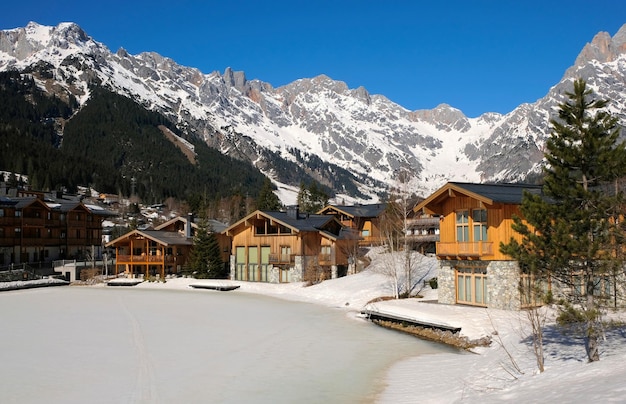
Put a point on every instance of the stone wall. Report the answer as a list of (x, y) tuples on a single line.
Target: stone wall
[(503, 278), (502, 283), (446, 284)]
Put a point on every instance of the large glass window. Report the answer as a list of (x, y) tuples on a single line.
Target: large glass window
[(472, 286), (240, 263), (479, 219), (462, 225), (265, 260), (253, 264)]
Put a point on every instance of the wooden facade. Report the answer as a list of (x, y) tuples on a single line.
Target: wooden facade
[(474, 220), (33, 229), (364, 219), (147, 253), (283, 246), (163, 251)]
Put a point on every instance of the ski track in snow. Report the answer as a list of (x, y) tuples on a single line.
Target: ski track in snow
[(144, 391)]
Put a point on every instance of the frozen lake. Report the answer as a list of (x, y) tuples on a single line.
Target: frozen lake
[(124, 345)]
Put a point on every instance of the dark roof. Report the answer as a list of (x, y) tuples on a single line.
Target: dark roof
[(304, 222), (160, 236), (486, 193), (217, 226), (372, 210), (167, 237), (500, 193)]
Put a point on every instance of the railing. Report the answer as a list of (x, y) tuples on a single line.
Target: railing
[(325, 259), (33, 221), (282, 258), (144, 258), (423, 237), (424, 222), (464, 248)]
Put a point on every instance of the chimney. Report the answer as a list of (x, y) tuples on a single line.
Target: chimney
[(293, 211), (188, 232)]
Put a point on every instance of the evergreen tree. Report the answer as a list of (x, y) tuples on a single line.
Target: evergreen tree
[(569, 229), (205, 259), (267, 199), (312, 198)]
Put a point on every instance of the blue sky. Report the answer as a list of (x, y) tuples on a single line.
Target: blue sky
[(478, 56)]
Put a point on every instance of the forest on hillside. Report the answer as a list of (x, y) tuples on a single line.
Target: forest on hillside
[(111, 144)]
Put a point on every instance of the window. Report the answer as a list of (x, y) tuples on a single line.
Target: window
[(479, 218), (1, 212), (285, 253), (462, 225), (240, 263), (471, 285), (18, 213)]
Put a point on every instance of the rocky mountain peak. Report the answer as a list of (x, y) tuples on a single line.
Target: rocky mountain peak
[(603, 48), (444, 117), (236, 79)]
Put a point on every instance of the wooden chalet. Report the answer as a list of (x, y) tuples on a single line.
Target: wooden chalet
[(364, 219), (473, 220), (287, 247), (160, 252), (34, 229)]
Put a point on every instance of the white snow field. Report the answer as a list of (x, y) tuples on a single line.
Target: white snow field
[(132, 345)]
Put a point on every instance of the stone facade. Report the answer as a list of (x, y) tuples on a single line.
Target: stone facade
[(502, 283), (446, 283), (503, 279)]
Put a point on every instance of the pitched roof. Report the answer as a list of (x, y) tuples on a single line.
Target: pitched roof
[(371, 210), (486, 193), (305, 222), (216, 225), (162, 237)]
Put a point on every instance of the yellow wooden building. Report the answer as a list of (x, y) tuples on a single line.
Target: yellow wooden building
[(474, 220)]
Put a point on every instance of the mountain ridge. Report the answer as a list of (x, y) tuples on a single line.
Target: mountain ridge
[(365, 139)]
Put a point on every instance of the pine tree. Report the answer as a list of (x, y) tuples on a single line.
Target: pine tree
[(267, 199), (312, 198), (205, 259), (569, 229)]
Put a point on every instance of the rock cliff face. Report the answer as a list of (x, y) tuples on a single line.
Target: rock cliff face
[(348, 139)]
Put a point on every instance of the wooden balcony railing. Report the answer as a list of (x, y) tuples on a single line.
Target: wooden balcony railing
[(465, 249), (325, 259), (424, 222), (282, 258), (146, 259)]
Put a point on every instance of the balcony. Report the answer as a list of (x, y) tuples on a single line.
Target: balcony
[(282, 258), (325, 259), (144, 259), (422, 222), (465, 249)]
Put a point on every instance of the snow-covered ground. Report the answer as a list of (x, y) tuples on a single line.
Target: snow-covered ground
[(506, 370)]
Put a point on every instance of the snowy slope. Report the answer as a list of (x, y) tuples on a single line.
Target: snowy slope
[(361, 138)]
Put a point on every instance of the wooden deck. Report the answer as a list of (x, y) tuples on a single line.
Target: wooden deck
[(375, 315), (221, 288)]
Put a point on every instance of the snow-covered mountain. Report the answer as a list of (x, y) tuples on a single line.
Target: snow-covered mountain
[(348, 139)]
